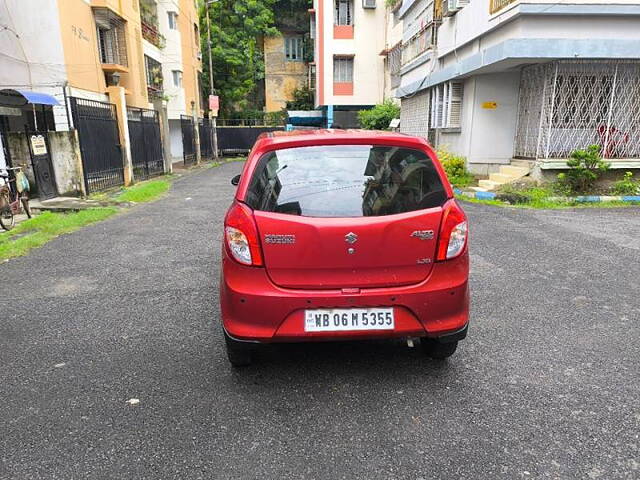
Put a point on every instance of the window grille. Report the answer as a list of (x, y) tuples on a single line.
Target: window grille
[(153, 70), (293, 49), (344, 12), (569, 105), (395, 62), (342, 70), (418, 44), (446, 105), (112, 44)]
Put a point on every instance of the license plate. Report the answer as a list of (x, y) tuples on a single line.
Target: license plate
[(341, 319)]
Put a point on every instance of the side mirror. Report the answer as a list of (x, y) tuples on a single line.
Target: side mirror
[(235, 180)]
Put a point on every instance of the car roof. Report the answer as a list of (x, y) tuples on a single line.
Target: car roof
[(322, 136)]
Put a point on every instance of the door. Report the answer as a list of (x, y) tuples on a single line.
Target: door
[(42, 166), (347, 215)]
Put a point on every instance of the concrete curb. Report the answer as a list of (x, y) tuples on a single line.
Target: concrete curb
[(578, 199)]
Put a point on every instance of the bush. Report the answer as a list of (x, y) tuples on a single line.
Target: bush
[(380, 116), (275, 119), (626, 186), (585, 168), (303, 99), (455, 168)]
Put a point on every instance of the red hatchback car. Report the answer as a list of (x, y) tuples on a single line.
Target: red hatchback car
[(339, 234)]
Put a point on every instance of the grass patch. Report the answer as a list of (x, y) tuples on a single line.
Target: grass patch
[(37, 231), (543, 204), (463, 180), (144, 192)]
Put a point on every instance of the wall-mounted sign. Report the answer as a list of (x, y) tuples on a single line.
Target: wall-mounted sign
[(490, 105), (214, 104), (38, 145), (10, 111)]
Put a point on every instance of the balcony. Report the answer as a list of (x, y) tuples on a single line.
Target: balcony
[(497, 5), (149, 23)]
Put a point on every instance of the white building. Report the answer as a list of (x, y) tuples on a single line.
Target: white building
[(495, 80), (349, 37)]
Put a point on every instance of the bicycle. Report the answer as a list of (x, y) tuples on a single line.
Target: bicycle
[(10, 208)]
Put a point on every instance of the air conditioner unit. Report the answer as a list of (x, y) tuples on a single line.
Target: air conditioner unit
[(451, 7), (368, 3)]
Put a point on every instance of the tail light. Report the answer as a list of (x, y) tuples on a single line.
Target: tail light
[(241, 235), (453, 232)]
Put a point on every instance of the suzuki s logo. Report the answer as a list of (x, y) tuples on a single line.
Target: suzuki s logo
[(351, 238)]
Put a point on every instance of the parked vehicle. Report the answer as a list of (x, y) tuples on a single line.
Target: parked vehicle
[(13, 199), (343, 235)]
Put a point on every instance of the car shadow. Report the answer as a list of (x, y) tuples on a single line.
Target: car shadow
[(382, 360)]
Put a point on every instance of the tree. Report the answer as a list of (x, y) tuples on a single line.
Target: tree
[(236, 29), (379, 117)]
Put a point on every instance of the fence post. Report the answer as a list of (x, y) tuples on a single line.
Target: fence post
[(116, 96), (161, 108), (196, 132)]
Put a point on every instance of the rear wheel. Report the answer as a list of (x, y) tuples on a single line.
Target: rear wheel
[(6, 218), (238, 353), (435, 349)]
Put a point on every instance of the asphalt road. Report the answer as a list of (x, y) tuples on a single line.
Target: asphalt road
[(546, 386)]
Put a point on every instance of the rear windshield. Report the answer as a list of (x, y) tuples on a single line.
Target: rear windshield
[(345, 181)]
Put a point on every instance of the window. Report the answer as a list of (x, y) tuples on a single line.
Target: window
[(293, 49), (177, 77), (110, 32), (343, 12), (196, 34), (173, 20), (446, 105), (343, 70), (153, 70), (345, 181)]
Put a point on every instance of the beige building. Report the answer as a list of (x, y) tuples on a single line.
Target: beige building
[(285, 68)]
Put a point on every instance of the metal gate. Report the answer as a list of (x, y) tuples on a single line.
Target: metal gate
[(146, 144), (234, 140), (205, 127), (188, 139), (41, 162), (99, 143)]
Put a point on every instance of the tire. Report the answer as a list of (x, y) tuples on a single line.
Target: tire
[(238, 353), (437, 350), (26, 207), (7, 220)]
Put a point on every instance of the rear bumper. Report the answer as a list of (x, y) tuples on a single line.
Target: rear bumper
[(254, 309)]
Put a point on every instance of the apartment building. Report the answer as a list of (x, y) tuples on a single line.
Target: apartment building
[(522, 82), (77, 48), (349, 36)]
